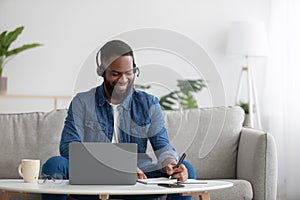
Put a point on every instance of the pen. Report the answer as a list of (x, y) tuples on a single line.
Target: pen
[(179, 162)]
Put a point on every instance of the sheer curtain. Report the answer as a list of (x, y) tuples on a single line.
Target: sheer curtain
[(281, 100)]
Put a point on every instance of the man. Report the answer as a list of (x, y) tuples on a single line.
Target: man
[(116, 112)]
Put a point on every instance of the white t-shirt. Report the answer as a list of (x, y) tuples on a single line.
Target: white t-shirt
[(116, 133)]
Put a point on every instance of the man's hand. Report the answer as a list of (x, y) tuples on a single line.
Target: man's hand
[(179, 173), (140, 174)]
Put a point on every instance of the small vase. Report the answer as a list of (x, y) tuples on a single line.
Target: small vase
[(246, 121), (3, 85)]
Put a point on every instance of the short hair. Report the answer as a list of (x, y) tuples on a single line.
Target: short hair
[(115, 48)]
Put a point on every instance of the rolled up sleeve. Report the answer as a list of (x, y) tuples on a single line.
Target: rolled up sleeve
[(158, 136)]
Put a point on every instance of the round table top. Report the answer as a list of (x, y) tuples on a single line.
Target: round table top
[(18, 185)]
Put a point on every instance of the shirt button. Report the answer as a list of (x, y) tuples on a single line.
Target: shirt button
[(110, 133)]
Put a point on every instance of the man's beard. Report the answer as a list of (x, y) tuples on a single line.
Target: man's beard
[(117, 95)]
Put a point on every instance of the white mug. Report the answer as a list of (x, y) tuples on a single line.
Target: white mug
[(29, 170)]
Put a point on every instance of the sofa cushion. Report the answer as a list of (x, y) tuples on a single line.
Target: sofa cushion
[(210, 138), (241, 190), (28, 135)]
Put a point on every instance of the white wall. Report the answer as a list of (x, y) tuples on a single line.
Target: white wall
[(71, 29)]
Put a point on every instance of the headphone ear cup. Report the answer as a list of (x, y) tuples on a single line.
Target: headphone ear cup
[(100, 67), (136, 69), (100, 70)]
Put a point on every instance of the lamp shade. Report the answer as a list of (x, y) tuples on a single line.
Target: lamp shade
[(248, 39)]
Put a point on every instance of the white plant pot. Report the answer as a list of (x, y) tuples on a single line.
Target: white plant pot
[(3, 85), (246, 121)]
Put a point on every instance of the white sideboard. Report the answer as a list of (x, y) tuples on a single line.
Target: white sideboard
[(10, 103)]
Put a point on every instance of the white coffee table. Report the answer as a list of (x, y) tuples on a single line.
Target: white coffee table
[(17, 185)]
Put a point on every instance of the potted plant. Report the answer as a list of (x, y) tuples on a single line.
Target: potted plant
[(182, 98), (6, 39), (245, 107)]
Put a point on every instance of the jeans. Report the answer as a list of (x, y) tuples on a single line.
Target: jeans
[(60, 165)]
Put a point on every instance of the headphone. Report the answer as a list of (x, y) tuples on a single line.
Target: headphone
[(101, 68)]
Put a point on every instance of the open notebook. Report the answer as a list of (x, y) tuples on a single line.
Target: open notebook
[(163, 180)]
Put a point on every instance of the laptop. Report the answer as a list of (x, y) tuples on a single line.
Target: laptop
[(102, 163)]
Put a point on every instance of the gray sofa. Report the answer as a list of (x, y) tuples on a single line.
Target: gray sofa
[(213, 138)]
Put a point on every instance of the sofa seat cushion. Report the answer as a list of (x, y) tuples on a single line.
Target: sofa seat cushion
[(241, 190)]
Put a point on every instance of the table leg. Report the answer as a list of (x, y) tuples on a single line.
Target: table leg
[(4, 195), (202, 195), (103, 196)]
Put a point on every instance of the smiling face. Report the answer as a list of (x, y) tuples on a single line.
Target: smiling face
[(118, 78)]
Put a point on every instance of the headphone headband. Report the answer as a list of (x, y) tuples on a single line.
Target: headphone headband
[(101, 69)]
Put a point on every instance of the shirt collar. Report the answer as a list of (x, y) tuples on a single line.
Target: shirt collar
[(101, 97)]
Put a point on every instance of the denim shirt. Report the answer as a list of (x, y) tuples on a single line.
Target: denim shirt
[(90, 119)]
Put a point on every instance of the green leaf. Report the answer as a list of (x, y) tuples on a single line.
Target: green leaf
[(22, 48), (2, 36), (184, 97), (187, 86), (1, 65), (10, 37), (2, 52), (167, 102), (188, 101), (244, 106), (142, 87), (2, 49)]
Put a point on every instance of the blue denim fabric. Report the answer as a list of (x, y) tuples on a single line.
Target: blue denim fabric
[(90, 119), (60, 165)]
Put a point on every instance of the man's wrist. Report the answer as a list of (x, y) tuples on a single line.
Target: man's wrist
[(167, 162)]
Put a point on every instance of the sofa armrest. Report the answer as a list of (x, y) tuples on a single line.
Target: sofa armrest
[(257, 162)]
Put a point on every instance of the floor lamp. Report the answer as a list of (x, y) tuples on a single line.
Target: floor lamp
[(248, 39)]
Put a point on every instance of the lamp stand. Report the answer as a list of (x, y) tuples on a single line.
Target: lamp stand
[(252, 96)]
